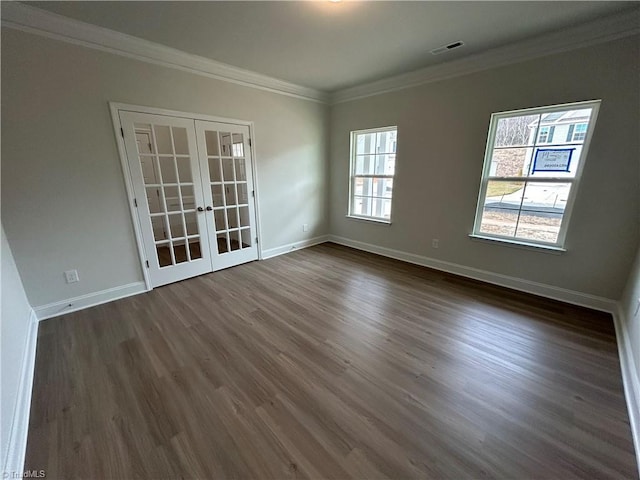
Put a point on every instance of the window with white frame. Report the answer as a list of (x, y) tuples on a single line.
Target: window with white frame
[(530, 178), (373, 165)]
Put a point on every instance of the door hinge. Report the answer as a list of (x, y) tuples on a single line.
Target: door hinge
[(253, 193), (249, 142), (122, 132), (135, 202), (256, 240), (146, 262)]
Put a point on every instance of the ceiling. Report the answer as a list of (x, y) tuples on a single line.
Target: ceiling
[(330, 46)]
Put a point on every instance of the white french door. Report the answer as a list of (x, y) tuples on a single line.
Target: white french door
[(193, 187)]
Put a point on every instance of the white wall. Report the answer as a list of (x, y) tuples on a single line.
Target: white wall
[(63, 197), (14, 328), (630, 318), (442, 131)]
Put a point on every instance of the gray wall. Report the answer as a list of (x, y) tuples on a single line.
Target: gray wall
[(14, 328), (63, 196), (631, 313), (442, 131)]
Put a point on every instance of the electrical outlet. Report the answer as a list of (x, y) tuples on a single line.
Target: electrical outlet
[(435, 243), (305, 227), (71, 276)]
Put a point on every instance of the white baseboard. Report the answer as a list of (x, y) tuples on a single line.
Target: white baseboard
[(630, 378), (548, 291), (14, 463), (89, 300), (274, 252)]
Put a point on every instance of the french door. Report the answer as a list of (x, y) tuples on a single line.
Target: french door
[(193, 187)]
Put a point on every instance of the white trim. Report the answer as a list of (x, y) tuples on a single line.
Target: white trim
[(630, 378), (41, 22), (288, 248), (89, 300), (599, 31), (541, 289), (14, 463)]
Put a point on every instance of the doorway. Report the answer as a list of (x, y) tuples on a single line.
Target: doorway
[(192, 182)]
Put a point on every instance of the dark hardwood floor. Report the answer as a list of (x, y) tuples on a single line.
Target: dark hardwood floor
[(330, 363)]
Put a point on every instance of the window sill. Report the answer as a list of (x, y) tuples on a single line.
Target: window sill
[(370, 219), (523, 245)]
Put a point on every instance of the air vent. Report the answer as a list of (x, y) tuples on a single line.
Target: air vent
[(446, 48)]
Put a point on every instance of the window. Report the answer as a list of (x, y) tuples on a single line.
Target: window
[(529, 180), (546, 134), (373, 164), (577, 132)]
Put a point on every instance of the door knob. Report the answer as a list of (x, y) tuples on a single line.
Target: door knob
[(209, 209), (200, 209)]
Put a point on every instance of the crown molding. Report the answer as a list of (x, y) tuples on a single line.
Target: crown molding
[(41, 22), (591, 33)]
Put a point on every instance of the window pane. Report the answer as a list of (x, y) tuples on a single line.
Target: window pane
[(163, 139), (510, 162), (514, 131), (499, 221), (363, 186), (386, 142), (561, 161), (362, 206), (507, 194), (382, 187), (180, 141), (365, 164), (365, 143), (385, 164)]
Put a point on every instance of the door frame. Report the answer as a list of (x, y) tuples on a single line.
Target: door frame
[(115, 109)]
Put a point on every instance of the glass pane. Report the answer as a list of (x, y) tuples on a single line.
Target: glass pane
[(172, 199), (191, 220), (361, 206), (241, 170), (214, 170), (159, 228), (230, 194), (246, 238), (163, 139), (175, 223), (223, 243), (168, 170), (543, 206), (164, 255), (382, 187), (386, 142), (180, 141), (365, 143), (385, 164), (225, 144), (510, 162), (154, 200), (184, 170), (237, 148), (149, 170), (504, 194), (244, 216), (188, 199), (386, 208), (243, 193), (363, 186), (227, 169), (211, 138), (180, 252), (232, 217), (499, 221), (516, 131), (377, 207), (194, 248), (216, 193), (365, 165), (219, 219), (235, 239)]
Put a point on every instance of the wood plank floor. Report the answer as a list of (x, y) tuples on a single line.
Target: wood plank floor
[(330, 363)]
